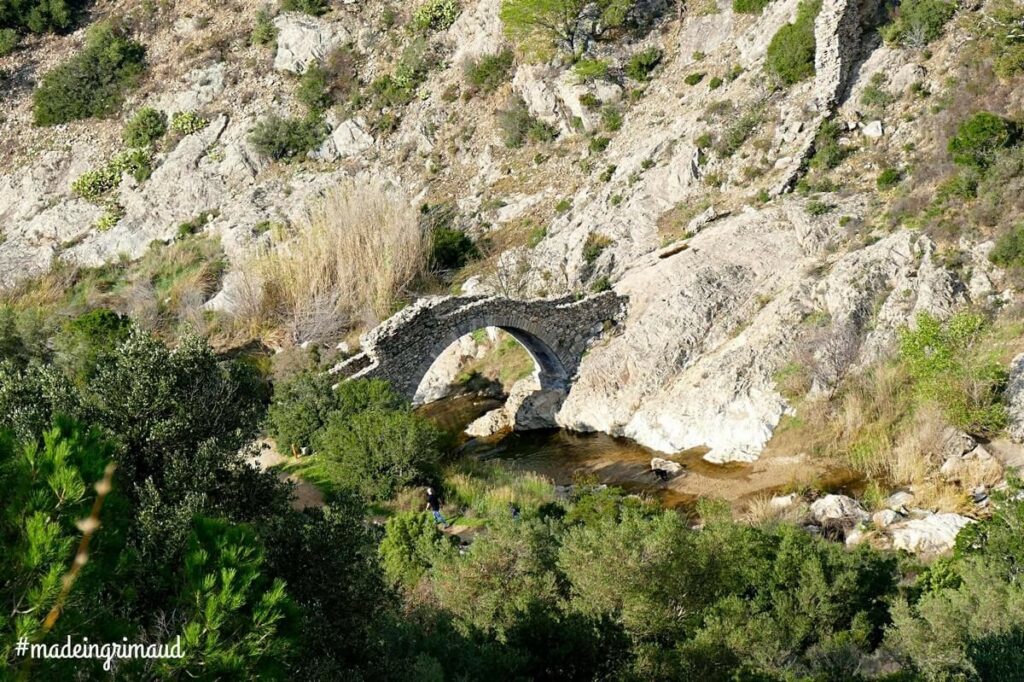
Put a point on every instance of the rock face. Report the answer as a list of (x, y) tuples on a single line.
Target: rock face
[(666, 465), (302, 39), (838, 508), (931, 535), (1014, 397), (528, 407)]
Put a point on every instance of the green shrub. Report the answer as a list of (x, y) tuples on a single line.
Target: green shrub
[(435, 15), (715, 83), (39, 16), (588, 70), (817, 207), (642, 64), (598, 144), (263, 31), (979, 139), (286, 139), (1009, 249), (737, 132), (594, 246), (537, 235), (790, 56), (96, 184), (540, 27), (749, 6), (611, 118), (1007, 16), (112, 214), (314, 7), (302, 405), (411, 545), (875, 95), (828, 152), (517, 125), (694, 78), (563, 205), (948, 369), (190, 227), (93, 82), (490, 71), (8, 41), (918, 22), (375, 452), (144, 128), (888, 178), (313, 90), (451, 249), (188, 122), (602, 283)]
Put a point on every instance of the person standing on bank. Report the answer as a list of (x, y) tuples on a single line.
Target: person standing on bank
[(434, 505)]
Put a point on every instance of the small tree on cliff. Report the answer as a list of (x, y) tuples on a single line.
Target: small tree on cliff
[(543, 26)]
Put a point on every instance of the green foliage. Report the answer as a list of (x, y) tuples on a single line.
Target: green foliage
[(188, 122), (96, 185), (488, 72), (39, 16), (828, 152), (816, 207), (749, 6), (918, 22), (1009, 249), (980, 138), (451, 249), (287, 139), (737, 132), (889, 178), (642, 64), (611, 118), (715, 83), (313, 90), (302, 406), (412, 543), (313, 7), (541, 27), (232, 613), (518, 126), (790, 56), (435, 15), (84, 340), (8, 41), (948, 368), (1007, 16), (694, 78), (93, 82), (145, 127), (594, 246), (375, 452), (588, 70), (263, 31)]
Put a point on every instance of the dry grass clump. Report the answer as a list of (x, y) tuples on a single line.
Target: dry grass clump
[(760, 511), (352, 263)]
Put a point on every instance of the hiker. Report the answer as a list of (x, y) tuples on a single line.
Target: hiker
[(434, 505), (513, 509)]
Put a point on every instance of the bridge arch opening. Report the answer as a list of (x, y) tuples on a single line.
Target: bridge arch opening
[(509, 354)]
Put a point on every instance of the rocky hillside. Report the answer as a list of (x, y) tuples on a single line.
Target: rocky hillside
[(756, 211)]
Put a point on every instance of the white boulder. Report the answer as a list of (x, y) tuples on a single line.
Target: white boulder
[(302, 39), (934, 534), (838, 508)]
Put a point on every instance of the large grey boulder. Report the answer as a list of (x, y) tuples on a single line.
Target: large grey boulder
[(1014, 397), (302, 39), (838, 508), (931, 535)]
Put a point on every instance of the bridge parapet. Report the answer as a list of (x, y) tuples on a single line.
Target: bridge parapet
[(555, 332)]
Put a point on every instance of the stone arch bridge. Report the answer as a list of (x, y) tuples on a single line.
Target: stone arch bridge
[(555, 332)]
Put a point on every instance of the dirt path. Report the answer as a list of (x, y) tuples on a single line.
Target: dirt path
[(305, 493)]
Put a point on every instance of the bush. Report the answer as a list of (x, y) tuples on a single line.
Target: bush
[(518, 126), (313, 90), (411, 545), (749, 6), (93, 82), (542, 26), (263, 31), (144, 128), (314, 7), (889, 178), (828, 152), (642, 64), (375, 452), (188, 122), (490, 71), (95, 185), (594, 246), (918, 22), (790, 56), (39, 16), (8, 41), (285, 139), (302, 406), (611, 118), (694, 78), (588, 70), (435, 15), (980, 138), (1004, 30), (1009, 249), (715, 83), (451, 249)]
